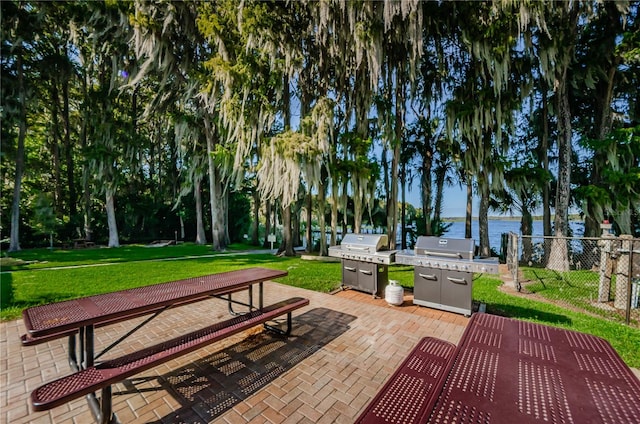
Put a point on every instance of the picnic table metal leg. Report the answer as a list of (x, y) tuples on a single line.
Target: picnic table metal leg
[(279, 331), (72, 354), (230, 302), (82, 356), (106, 402), (89, 346), (102, 409), (230, 306), (85, 351)]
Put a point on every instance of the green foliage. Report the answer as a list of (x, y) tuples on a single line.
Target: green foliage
[(44, 215), (124, 96), (239, 216), (611, 180), (438, 226)]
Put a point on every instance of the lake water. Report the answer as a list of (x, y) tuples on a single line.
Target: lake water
[(498, 226)]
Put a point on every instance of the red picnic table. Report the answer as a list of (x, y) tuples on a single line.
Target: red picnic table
[(509, 371), (78, 318)]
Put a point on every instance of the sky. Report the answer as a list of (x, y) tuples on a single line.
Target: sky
[(454, 205)]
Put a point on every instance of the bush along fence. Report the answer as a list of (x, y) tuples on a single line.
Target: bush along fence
[(599, 276)]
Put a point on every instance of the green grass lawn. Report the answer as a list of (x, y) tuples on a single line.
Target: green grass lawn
[(108, 270), (625, 339), (46, 258), (576, 287)]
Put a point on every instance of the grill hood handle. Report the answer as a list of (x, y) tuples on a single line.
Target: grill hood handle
[(443, 254), (366, 249)]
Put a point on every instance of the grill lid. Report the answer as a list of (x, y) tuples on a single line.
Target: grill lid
[(445, 247), (366, 243)]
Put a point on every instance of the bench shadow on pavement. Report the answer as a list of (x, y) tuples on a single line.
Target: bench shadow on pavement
[(209, 387)]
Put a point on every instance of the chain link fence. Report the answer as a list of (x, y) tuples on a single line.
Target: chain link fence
[(599, 276)]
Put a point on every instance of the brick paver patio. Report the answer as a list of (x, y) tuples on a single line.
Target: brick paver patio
[(342, 349)]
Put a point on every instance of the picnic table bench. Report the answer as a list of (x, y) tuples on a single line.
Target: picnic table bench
[(82, 243), (77, 320), (509, 371), (405, 396)]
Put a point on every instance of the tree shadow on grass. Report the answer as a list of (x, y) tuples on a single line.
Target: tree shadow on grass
[(525, 313), (211, 386), (6, 290)]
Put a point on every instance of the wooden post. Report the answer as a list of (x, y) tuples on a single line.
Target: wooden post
[(621, 300)]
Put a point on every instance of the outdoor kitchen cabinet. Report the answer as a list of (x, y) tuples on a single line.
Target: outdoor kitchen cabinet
[(447, 290), (365, 276)]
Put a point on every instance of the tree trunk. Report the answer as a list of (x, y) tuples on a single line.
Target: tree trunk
[(334, 211), (392, 207), (111, 219), (345, 206), (201, 235), (544, 152), (296, 212), (426, 190), (55, 149), (225, 215), (215, 193), (469, 211), (322, 201), (309, 232), (68, 151), (14, 241), (358, 205), (441, 173), (287, 233), (287, 238), (483, 214), (86, 187), (403, 214), (559, 255), (267, 224), (255, 222)]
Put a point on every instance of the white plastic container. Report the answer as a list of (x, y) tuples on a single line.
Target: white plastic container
[(394, 293)]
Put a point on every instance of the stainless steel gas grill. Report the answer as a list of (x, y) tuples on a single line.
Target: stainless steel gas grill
[(365, 261), (443, 274)]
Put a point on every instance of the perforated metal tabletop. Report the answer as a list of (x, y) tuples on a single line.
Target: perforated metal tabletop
[(512, 371), (63, 316)]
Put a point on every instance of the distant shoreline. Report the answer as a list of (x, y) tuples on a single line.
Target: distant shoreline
[(574, 217)]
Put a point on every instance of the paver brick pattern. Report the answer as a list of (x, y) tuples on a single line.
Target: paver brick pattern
[(341, 351)]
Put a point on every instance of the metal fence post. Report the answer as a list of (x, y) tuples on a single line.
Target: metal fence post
[(634, 280), (604, 286)]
